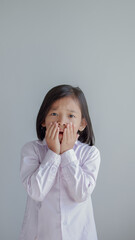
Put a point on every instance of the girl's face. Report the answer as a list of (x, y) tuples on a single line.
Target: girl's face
[(63, 111)]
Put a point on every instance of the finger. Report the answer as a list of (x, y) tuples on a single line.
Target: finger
[(73, 127), (48, 129), (51, 129), (64, 135), (56, 133), (71, 133), (74, 131), (77, 136), (68, 134), (54, 130)]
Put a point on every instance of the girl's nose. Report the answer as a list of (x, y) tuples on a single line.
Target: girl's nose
[(61, 125), (62, 121)]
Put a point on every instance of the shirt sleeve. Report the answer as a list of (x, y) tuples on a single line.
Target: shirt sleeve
[(79, 180), (38, 178)]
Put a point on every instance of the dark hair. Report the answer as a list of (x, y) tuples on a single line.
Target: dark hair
[(61, 91)]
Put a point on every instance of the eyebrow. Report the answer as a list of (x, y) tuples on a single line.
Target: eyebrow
[(69, 110)]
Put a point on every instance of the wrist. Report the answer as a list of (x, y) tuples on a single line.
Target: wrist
[(55, 151), (65, 150)]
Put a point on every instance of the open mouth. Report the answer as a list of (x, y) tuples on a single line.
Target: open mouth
[(60, 136), (61, 133)]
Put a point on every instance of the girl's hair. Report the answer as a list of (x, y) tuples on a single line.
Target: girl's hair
[(61, 91)]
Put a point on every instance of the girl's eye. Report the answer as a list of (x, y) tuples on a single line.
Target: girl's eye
[(71, 116), (54, 114)]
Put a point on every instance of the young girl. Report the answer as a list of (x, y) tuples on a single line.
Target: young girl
[(59, 170)]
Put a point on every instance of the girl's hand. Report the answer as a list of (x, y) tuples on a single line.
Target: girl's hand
[(69, 138), (52, 137)]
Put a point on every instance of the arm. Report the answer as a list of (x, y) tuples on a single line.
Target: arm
[(38, 178), (79, 180)]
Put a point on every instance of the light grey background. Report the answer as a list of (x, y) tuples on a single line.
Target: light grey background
[(90, 44)]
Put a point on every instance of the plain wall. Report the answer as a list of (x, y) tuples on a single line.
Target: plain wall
[(90, 44)]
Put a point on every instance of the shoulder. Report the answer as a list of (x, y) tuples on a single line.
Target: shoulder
[(87, 151), (32, 146)]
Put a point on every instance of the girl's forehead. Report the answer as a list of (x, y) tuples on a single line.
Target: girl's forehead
[(66, 103)]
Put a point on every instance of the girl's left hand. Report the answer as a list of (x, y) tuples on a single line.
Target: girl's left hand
[(69, 138)]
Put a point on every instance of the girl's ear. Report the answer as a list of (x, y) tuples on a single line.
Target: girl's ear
[(83, 124), (43, 124)]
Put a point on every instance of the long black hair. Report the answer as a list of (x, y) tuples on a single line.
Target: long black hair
[(61, 91)]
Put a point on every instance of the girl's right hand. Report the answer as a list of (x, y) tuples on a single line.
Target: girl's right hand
[(52, 137)]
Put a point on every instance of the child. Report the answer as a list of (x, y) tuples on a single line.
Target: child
[(59, 170)]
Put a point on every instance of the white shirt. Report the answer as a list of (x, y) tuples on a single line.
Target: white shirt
[(59, 191)]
